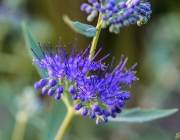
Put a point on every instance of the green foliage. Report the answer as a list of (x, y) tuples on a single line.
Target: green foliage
[(7, 97), (32, 43), (84, 29), (54, 119), (138, 115)]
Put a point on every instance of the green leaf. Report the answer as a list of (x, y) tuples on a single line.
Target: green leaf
[(54, 120), (84, 29), (7, 96), (138, 115), (32, 43)]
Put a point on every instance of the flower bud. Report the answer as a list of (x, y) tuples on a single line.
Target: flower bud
[(74, 97), (113, 114), (92, 115), (37, 85), (57, 96), (44, 90), (43, 82), (84, 111), (59, 89), (106, 112), (51, 91), (95, 107), (52, 82), (78, 106)]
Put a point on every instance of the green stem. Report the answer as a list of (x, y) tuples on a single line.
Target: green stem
[(67, 94), (20, 125), (65, 124), (95, 39), (69, 115)]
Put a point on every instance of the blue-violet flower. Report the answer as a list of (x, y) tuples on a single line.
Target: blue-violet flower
[(98, 89)]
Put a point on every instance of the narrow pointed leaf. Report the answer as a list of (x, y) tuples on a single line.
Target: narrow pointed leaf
[(32, 43), (54, 120), (84, 29), (138, 115)]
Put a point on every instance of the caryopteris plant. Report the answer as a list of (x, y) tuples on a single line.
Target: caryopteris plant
[(88, 86)]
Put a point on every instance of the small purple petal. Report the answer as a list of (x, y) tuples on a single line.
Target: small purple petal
[(112, 108), (95, 107), (96, 5), (37, 85), (51, 91), (126, 22), (74, 97), (52, 82), (136, 2), (92, 115), (113, 114), (44, 90), (99, 112), (110, 14), (131, 10), (57, 96), (118, 110), (59, 89), (88, 9), (104, 17), (92, 1), (78, 106), (43, 82), (84, 111), (120, 18), (126, 14), (72, 89), (103, 9), (83, 6), (109, 6), (115, 10), (120, 103), (122, 5), (106, 112), (113, 2)]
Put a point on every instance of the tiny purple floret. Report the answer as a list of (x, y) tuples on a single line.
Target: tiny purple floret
[(51, 91), (92, 115), (59, 89), (57, 96), (72, 89), (84, 111), (112, 108), (74, 97), (52, 82), (106, 112), (122, 5), (44, 90), (95, 107), (43, 82), (78, 106), (113, 114), (37, 85)]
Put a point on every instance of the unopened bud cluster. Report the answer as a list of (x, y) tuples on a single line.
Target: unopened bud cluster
[(118, 13)]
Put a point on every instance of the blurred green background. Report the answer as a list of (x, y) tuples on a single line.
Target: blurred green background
[(156, 46)]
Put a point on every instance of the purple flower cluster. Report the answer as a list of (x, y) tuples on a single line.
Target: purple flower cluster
[(118, 13), (99, 89), (63, 67), (103, 95)]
